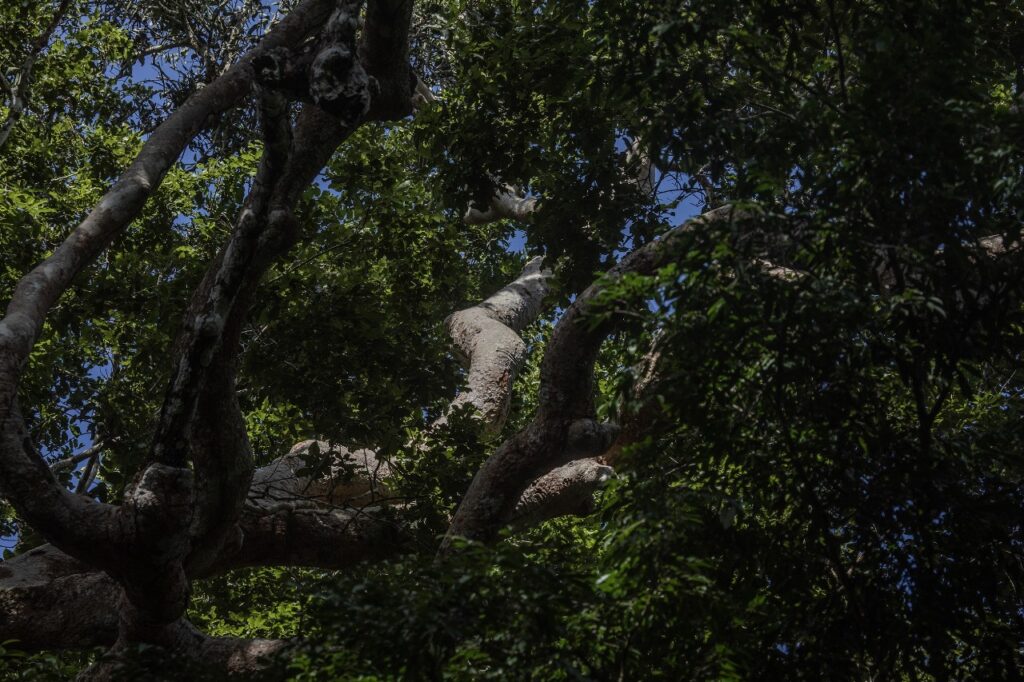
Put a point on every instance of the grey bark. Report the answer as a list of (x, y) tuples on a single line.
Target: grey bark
[(509, 203), (564, 428), (291, 517), (353, 478), (169, 526), (81, 527), (122, 575), (487, 338)]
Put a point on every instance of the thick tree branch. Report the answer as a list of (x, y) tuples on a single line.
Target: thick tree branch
[(487, 337), (563, 428), (218, 444), (49, 600), (200, 420), (384, 51), (320, 473), (28, 484), (166, 517), (337, 81), (565, 490), (75, 523), (313, 537), (213, 320), (222, 657), (38, 290)]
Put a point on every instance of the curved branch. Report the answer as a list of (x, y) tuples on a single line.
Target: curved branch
[(487, 337), (563, 491), (200, 420), (49, 600), (563, 428), (27, 483), (509, 203), (77, 524), (39, 289)]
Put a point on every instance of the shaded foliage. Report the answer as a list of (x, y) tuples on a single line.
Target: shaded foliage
[(832, 488)]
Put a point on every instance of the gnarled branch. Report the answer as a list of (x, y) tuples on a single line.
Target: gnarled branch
[(487, 337), (563, 428)]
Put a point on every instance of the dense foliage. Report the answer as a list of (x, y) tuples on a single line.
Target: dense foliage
[(832, 487)]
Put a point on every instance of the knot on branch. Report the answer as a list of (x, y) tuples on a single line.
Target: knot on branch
[(159, 506), (337, 81), (339, 84), (161, 490), (343, 24), (284, 72), (565, 490), (271, 67), (587, 437), (281, 232), (273, 105)]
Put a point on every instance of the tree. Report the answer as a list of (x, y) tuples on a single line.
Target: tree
[(750, 410)]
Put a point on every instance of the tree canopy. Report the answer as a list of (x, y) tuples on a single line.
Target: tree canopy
[(498, 339)]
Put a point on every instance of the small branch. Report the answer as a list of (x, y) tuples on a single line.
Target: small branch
[(423, 95), (69, 463), (701, 176), (19, 91), (509, 203), (643, 167), (88, 474)]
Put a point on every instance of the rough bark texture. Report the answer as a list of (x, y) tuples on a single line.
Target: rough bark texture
[(487, 337), (83, 528), (564, 428), (385, 52), (563, 491), (120, 575), (318, 472), (509, 203), (310, 507), (172, 526), (50, 600)]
